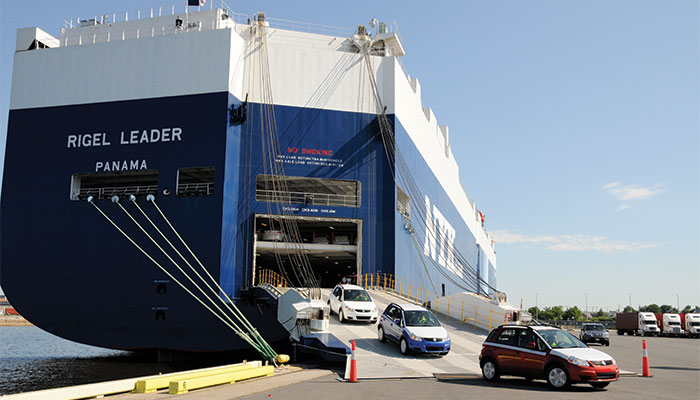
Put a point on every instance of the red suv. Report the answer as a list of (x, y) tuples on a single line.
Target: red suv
[(544, 352)]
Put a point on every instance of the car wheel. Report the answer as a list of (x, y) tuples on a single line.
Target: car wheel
[(607, 343), (557, 377), (404, 346), (490, 371), (341, 318), (599, 385), (380, 334), (330, 308)]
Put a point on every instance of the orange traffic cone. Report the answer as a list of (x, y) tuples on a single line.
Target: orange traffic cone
[(645, 359), (353, 364)]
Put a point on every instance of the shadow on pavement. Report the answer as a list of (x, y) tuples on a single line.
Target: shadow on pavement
[(677, 368), (522, 384)]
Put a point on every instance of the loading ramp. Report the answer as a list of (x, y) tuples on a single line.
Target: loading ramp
[(377, 360)]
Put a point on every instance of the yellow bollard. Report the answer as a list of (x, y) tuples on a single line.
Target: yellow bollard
[(462, 319), (385, 282), (449, 300), (476, 313), (490, 319), (437, 308)]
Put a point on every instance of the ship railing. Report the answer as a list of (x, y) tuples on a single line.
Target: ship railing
[(107, 192), (195, 189), (145, 13), (110, 33), (308, 27), (309, 198)]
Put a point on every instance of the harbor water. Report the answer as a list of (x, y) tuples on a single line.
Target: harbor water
[(32, 359)]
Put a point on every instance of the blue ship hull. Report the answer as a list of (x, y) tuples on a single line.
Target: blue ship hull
[(70, 272)]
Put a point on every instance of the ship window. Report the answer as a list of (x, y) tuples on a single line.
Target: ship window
[(196, 181), (403, 203), (104, 185), (312, 191)]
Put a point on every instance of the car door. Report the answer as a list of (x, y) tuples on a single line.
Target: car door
[(532, 353), (394, 329), (505, 348), (335, 299)]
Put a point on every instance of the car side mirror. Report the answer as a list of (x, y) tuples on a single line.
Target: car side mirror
[(397, 322), (532, 346)]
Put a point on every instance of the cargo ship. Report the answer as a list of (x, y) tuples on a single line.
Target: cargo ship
[(259, 144)]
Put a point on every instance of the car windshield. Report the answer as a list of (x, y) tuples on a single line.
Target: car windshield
[(356, 295), (593, 328), (650, 322), (420, 318), (559, 339), (695, 324)]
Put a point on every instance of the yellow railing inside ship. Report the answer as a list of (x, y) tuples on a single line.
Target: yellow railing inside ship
[(271, 278), (416, 293)]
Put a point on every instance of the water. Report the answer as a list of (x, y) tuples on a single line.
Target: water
[(31, 359)]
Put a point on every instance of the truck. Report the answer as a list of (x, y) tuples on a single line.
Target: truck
[(670, 324), (637, 323), (691, 323)]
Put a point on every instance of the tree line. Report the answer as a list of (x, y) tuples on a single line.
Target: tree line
[(558, 313)]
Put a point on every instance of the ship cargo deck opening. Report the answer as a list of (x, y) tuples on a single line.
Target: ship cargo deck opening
[(332, 245)]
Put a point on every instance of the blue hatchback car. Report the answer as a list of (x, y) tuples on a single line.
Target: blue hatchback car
[(414, 328)]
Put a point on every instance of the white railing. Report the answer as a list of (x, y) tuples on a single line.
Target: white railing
[(195, 189), (317, 199), (107, 192), (144, 13), (137, 33), (308, 27)]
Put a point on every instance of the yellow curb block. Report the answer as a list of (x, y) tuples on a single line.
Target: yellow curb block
[(185, 385), (159, 382)]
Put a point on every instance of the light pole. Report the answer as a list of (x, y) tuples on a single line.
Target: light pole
[(586, 294), (678, 303), (537, 308), (630, 299)]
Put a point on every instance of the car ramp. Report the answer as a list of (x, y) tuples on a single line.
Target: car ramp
[(377, 360)]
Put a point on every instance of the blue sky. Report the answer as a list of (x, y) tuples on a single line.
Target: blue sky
[(575, 124)]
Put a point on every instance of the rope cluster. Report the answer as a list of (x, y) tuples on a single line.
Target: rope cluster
[(241, 327)]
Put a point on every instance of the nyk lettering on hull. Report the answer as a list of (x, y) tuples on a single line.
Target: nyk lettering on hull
[(137, 136), (440, 239), (123, 165)]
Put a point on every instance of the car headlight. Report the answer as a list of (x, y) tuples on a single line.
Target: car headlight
[(414, 337), (447, 336), (614, 362), (577, 361), (346, 308)]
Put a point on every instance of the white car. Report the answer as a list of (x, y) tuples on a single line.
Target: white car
[(352, 303)]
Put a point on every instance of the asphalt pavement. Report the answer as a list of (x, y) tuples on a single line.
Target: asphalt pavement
[(675, 369)]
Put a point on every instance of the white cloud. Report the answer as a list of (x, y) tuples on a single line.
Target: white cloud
[(570, 242), (632, 192), (623, 207)]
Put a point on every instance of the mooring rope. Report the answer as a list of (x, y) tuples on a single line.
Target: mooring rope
[(230, 305), (234, 328)]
